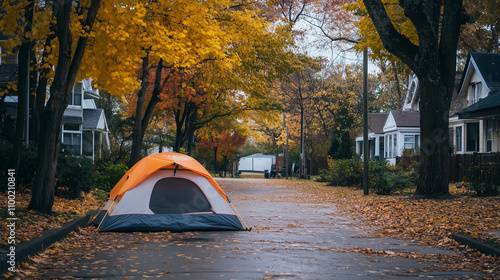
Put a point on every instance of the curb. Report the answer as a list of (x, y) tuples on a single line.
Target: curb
[(38, 244), (475, 244)]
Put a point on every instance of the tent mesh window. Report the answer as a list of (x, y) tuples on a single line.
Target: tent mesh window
[(178, 196)]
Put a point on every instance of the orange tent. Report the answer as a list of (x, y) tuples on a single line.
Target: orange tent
[(153, 163), (168, 191)]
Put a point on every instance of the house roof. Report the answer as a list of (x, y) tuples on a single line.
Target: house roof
[(406, 118), (91, 118), (259, 155), (488, 67), (488, 106), (376, 122)]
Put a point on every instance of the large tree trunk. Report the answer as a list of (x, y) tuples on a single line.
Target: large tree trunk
[(137, 135), (434, 152), (23, 85), (48, 152), (433, 60), (67, 68), (41, 90)]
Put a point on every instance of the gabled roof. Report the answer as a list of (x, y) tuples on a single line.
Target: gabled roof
[(259, 155), (487, 65), (376, 122), (406, 118), (91, 118), (399, 119), (488, 106)]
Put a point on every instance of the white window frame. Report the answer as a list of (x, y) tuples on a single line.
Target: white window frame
[(459, 138), (476, 92), (72, 100), (73, 132)]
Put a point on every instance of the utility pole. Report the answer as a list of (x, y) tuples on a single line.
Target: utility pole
[(285, 148), (366, 146)]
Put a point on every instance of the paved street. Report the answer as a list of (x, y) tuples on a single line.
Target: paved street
[(289, 240)]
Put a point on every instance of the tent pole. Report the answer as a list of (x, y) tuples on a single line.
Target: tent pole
[(239, 217), (96, 213), (107, 211)]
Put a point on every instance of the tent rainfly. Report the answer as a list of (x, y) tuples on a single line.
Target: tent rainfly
[(168, 191)]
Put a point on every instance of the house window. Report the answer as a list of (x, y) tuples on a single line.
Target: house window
[(76, 95), (72, 137), (458, 138), (72, 141), (411, 142), (395, 139), (391, 145), (472, 140), (489, 135), (476, 92)]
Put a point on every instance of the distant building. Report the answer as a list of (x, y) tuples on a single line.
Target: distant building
[(256, 163)]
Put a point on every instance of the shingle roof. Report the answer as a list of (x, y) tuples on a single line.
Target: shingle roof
[(489, 66), (376, 122), (488, 106), (406, 118), (91, 118)]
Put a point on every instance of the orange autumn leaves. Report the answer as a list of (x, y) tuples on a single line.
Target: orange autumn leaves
[(33, 224)]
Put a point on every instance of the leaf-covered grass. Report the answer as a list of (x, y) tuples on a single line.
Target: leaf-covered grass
[(31, 224)]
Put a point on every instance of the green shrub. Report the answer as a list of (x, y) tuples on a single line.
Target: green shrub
[(343, 172), (108, 174), (384, 179), (484, 179), (74, 175)]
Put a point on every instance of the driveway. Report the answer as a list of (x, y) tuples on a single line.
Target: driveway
[(289, 239)]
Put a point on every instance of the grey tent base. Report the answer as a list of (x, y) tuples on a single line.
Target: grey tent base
[(170, 222)]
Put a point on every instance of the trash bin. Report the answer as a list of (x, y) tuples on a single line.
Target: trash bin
[(266, 174)]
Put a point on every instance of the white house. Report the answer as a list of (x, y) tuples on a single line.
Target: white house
[(376, 122), (395, 133), (475, 127), (401, 133), (85, 129)]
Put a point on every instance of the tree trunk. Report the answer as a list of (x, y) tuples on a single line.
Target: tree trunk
[(23, 79), (433, 60), (137, 135), (434, 147), (23, 84), (48, 153), (216, 167), (191, 129), (41, 89), (67, 68)]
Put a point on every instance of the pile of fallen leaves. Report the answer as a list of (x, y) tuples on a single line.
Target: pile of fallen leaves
[(31, 224)]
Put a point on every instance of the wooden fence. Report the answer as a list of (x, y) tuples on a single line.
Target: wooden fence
[(459, 164)]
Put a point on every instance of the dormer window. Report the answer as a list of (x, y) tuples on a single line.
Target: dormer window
[(76, 95), (476, 90)]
